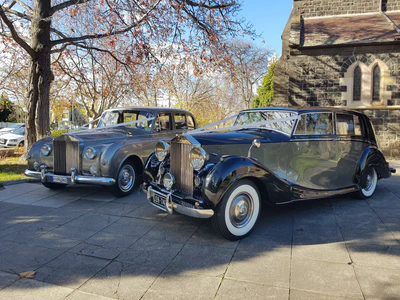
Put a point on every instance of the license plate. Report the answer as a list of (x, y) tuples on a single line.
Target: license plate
[(158, 200), (57, 179)]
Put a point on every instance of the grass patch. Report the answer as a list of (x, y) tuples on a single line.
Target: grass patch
[(12, 168)]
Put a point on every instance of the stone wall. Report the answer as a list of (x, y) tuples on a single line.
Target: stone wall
[(391, 5), (320, 8), (314, 77), (387, 128)]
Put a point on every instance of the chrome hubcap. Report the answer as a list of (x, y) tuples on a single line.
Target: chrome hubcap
[(370, 182), (241, 210), (126, 178)]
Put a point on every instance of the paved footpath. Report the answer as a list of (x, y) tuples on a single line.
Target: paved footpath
[(85, 244)]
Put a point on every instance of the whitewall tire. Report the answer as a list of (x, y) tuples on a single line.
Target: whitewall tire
[(238, 211), (372, 181)]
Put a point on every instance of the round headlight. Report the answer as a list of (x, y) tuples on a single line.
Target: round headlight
[(168, 181), (162, 149), (45, 150), (90, 153), (197, 157)]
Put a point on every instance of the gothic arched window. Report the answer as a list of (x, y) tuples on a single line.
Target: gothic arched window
[(357, 84), (376, 83)]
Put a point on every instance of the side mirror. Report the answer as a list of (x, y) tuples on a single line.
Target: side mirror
[(256, 143)]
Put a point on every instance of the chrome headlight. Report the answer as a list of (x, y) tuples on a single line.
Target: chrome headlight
[(168, 181), (162, 150), (197, 157), (45, 150), (90, 153)]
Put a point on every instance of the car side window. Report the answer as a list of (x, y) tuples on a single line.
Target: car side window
[(180, 121), (163, 122), (345, 124), (190, 122), (130, 117), (357, 125), (314, 124)]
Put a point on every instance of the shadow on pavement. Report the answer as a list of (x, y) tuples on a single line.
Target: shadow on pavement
[(125, 248)]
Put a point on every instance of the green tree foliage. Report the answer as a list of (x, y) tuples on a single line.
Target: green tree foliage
[(266, 90), (5, 109)]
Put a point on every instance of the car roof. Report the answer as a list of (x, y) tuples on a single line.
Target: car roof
[(301, 110), (150, 109)]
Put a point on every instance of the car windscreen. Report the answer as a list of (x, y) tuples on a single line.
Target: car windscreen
[(19, 131), (14, 125), (274, 120), (108, 118)]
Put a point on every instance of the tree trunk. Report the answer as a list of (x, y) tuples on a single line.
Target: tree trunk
[(41, 76)]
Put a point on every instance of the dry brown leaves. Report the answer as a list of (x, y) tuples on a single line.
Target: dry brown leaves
[(28, 274)]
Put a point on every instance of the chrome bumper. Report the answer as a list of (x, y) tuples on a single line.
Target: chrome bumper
[(171, 206), (66, 179)]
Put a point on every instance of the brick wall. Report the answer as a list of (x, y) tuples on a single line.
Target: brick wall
[(312, 77)]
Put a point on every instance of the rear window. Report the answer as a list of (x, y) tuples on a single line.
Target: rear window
[(347, 125), (314, 124)]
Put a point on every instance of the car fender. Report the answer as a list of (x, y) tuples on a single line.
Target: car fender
[(231, 169), (116, 154), (371, 158)]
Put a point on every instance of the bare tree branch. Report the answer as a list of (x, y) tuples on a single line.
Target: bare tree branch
[(108, 34), (17, 13), (24, 5), (66, 4), (204, 5), (15, 35)]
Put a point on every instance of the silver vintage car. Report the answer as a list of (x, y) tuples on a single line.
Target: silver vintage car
[(111, 154)]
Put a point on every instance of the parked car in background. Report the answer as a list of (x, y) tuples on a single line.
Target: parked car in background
[(12, 139), (11, 128), (112, 154), (273, 156)]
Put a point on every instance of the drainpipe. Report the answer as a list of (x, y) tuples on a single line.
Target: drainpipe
[(386, 17)]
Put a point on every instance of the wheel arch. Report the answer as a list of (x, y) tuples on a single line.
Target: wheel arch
[(371, 158), (233, 169), (138, 164)]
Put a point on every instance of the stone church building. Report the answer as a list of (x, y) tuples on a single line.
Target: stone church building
[(344, 53)]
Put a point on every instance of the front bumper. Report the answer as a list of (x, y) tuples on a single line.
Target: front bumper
[(44, 176), (165, 202)]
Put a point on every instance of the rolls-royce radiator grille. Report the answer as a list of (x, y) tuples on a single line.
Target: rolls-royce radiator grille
[(181, 167), (66, 156)]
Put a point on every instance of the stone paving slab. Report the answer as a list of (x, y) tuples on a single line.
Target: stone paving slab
[(84, 243)]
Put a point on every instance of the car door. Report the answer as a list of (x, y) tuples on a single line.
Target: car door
[(163, 126), (314, 152), (351, 142)]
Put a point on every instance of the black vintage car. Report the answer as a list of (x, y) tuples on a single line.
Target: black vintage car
[(273, 156)]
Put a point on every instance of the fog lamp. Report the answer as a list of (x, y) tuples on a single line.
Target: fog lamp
[(168, 181), (197, 181), (36, 165), (93, 170)]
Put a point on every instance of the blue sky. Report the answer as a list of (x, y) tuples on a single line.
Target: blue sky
[(269, 18)]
